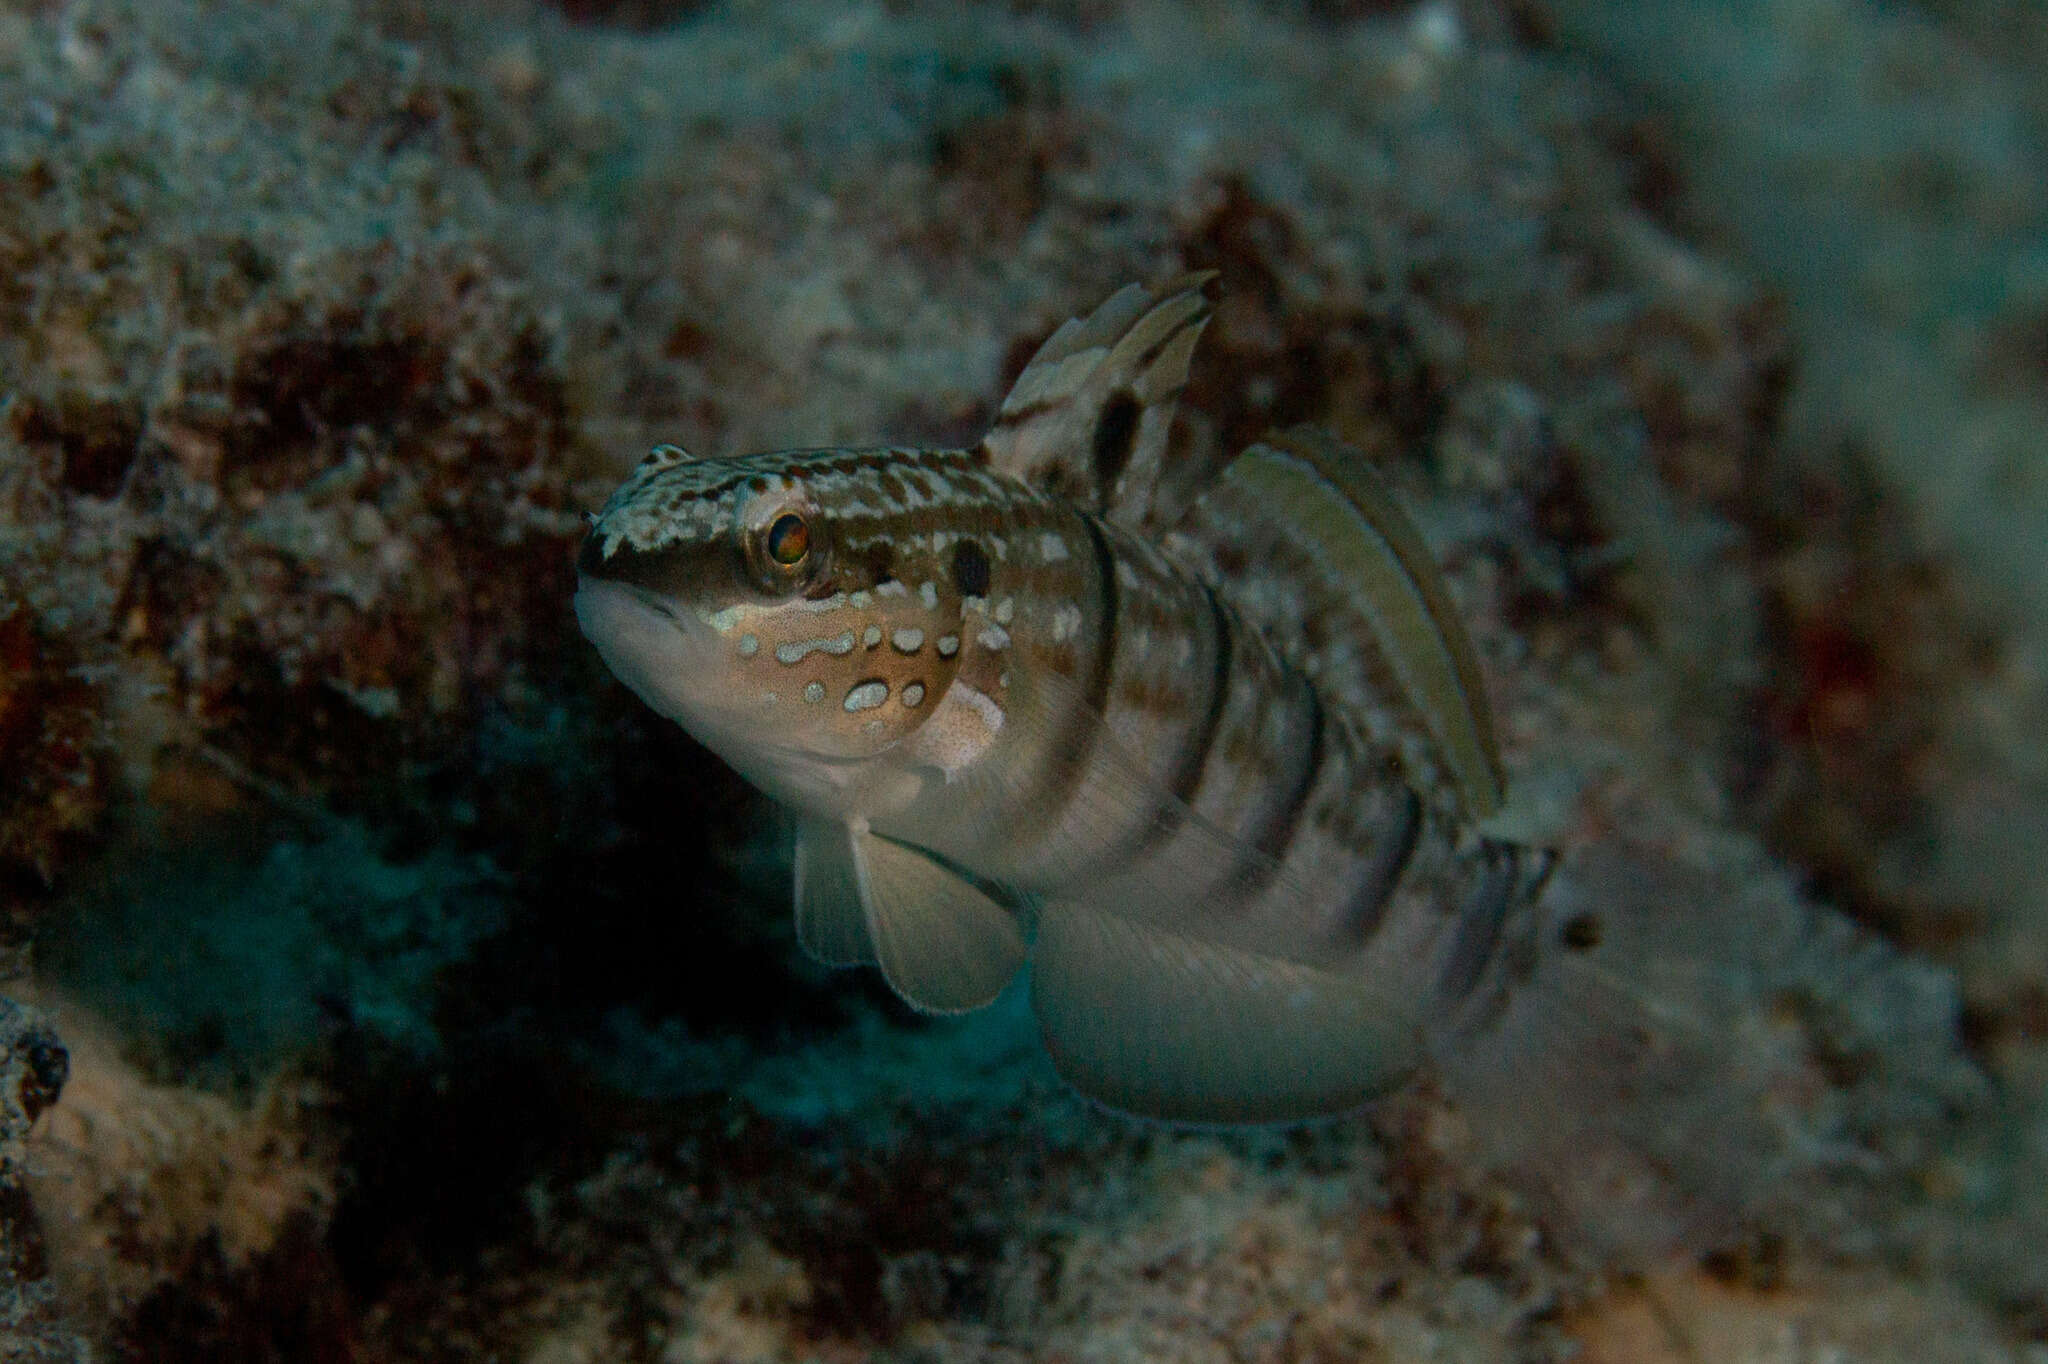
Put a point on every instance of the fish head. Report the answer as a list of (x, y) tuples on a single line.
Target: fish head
[(764, 604)]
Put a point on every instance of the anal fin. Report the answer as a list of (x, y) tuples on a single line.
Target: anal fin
[(1162, 1025)]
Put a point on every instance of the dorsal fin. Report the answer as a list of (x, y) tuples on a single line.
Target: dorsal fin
[(1300, 536), (1088, 418), (662, 456)]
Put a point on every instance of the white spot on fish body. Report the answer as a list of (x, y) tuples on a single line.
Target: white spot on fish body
[(913, 695), (1006, 611), (867, 695), (948, 645), (892, 588), (994, 637), (1052, 549), (1066, 623), (750, 644), (824, 605), (908, 640), (871, 636), (861, 599), (928, 593), (814, 692)]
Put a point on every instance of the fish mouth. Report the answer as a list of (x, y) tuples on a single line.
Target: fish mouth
[(676, 662), (658, 648), (607, 607), (604, 598)]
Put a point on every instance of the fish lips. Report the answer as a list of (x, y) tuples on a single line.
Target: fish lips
[(669, 656)]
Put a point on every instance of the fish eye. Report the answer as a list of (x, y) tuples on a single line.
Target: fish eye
[(789, 540)]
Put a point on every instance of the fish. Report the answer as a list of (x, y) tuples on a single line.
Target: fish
[(1207, 748)]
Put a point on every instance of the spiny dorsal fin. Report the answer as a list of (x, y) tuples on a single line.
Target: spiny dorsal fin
[(1303, 539), (942, 944), (663, 456), (1089, 417)]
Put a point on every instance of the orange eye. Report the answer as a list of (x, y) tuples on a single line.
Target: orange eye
[(789, 540)]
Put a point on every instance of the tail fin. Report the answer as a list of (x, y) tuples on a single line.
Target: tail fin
[(1601, 1065)]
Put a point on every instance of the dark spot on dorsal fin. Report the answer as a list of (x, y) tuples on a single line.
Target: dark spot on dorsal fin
[(1581, 932), (970, 569), (1116, 436)]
